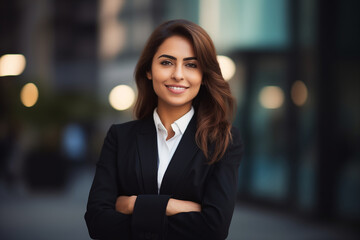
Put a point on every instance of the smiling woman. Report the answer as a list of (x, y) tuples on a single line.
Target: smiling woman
[(171, 174), (175, 76)]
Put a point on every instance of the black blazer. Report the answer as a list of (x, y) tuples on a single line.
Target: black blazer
[(128, 166)]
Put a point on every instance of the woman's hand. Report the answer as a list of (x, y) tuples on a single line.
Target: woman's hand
[(176, 206), (125, 204)]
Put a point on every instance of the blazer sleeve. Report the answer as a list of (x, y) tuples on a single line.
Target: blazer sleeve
[(102, 220), (213, 222)]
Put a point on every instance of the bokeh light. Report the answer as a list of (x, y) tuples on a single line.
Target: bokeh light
[(271, 97), (121, 97), (29, 95), (74, 142), (12, 64), (299, 93), (227, 66)]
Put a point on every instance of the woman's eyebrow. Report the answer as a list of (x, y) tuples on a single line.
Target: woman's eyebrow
[(190, 58), (167, 56), (174, 58)]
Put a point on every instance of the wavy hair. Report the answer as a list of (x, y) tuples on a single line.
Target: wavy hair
[(214, 104)]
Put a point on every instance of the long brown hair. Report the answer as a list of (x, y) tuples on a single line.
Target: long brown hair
[(214, 104)]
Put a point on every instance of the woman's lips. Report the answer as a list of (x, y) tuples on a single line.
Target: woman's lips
[(176, 88)]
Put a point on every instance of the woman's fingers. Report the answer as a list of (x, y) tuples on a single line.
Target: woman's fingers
[(125, 204), (176, 206)]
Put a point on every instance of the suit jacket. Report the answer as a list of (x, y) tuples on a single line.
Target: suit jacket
[(128, 166)]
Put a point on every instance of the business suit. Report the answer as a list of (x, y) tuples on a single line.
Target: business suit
[(128, 166)]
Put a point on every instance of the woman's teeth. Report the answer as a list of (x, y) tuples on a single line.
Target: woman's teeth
[(176, 88)]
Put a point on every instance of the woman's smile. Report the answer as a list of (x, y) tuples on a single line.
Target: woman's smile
[(177, 89)]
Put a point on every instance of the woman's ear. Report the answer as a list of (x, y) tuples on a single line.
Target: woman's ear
[(149, 75)]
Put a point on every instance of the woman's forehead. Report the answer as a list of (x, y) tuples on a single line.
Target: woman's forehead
[(176, 46)]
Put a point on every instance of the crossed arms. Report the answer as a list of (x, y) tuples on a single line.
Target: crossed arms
[(110, 216)]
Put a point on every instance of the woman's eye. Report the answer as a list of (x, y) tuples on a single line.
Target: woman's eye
[(192, 65), (166, 63)]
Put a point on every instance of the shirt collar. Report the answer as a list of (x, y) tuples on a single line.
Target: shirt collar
[(180, 123), (183, 122), (157, 121)]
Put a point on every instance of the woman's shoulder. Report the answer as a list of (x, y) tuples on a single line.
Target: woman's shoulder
[(129, 128), (236, 139), (123, 128), (235, 133), (128, 124)]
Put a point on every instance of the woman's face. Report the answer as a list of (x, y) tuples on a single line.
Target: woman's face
[(175, 73)]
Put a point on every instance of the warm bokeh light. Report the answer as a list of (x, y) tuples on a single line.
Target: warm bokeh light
[(227, 66), (299, 93), (121, 97), (29, 95), (12, 64), (271, 97)]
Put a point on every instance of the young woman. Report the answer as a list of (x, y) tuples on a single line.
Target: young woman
[(171, 174)]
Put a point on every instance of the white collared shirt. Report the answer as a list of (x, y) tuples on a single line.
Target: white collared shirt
[(166, 148)]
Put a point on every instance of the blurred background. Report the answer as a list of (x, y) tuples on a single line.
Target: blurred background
[(66, 75)]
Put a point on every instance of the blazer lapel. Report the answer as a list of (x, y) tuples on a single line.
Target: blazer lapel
[(181, 158), (147, 148)]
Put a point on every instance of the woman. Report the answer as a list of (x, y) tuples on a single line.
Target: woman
[(171, 174)]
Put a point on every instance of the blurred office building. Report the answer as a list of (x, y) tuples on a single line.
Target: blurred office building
[(66, 75)]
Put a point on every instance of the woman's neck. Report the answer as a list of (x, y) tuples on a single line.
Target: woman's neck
[(168, 115)]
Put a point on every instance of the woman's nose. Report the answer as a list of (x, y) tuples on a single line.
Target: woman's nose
[(178, 74)]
